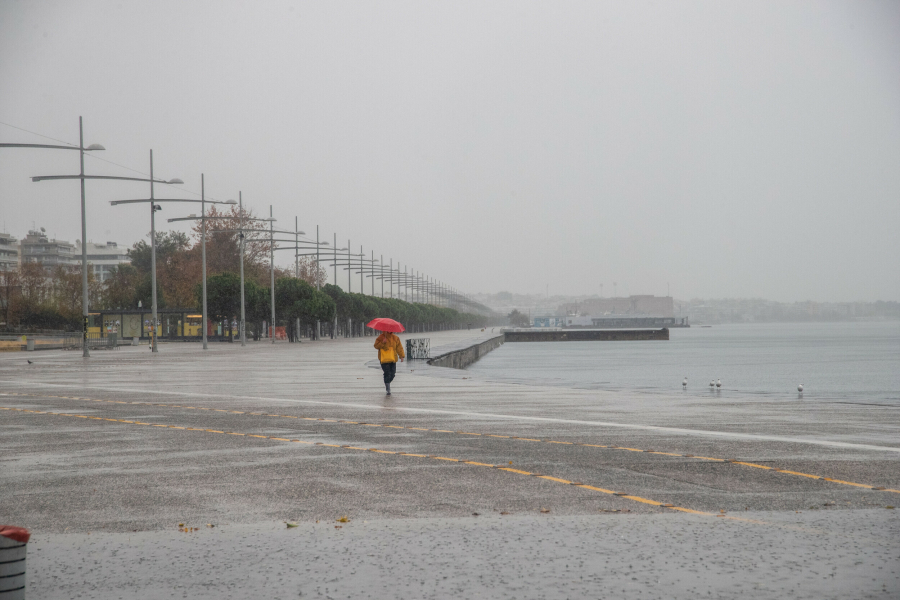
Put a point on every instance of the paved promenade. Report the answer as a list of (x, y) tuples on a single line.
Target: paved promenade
[(577, 493)]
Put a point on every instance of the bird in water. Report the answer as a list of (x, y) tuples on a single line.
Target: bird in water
[(800, 388), (718, 383), (684, 383), (712, 384)]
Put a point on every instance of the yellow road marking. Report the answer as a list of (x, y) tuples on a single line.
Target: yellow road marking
[(556, 479), (712, 459), (691, 511), (510, 470), (596, 489), (644, 500), (848, 483), (515, 471)]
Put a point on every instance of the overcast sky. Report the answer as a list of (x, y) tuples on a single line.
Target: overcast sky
[(725, 148)]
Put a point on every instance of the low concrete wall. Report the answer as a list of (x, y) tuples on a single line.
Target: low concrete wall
[(463, 357), (587, 335)]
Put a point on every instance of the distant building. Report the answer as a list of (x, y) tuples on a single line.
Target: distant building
[(37, 247), (103, 258), (9, 252), (575, 321), (642, 305), (549, 321)]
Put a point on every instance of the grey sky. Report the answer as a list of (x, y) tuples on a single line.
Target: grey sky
[(727, 148)]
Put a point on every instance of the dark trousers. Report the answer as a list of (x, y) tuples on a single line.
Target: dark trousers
[(390, 370)]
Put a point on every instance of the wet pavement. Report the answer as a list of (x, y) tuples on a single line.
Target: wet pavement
[(102, 459)]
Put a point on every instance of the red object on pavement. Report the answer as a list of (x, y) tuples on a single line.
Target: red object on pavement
[(382, 324), (19, 534)]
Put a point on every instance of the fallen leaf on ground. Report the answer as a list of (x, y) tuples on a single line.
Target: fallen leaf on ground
[(545, 510), (289, 525), (344, 519)]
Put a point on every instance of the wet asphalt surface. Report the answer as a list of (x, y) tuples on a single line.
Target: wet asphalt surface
[(104, 497)]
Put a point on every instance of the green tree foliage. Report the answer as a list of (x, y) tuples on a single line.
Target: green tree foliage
[(143, 292), (120, 290), (168, 243), (297, 299), (223, 296), (518, 319), (415, 317)]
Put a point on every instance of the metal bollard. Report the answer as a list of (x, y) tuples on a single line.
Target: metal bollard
[(13, 542), (134, 341), (29, 345)]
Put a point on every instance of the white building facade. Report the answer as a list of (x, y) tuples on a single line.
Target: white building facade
[(102, 258)]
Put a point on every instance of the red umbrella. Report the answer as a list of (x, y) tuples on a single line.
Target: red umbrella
[(386, 325)]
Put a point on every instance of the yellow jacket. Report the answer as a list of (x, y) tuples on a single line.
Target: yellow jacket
[(389, 347)]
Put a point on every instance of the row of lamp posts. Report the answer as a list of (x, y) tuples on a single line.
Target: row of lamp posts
[(367, 267)]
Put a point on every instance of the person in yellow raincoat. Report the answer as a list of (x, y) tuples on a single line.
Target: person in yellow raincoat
[(390, 348)]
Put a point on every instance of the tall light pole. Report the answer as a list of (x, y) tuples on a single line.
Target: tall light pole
[(203, 218), (153, 208), (84, 279), (241, 252), (272, 268), (318, 323), (334, 325), (203, 253)]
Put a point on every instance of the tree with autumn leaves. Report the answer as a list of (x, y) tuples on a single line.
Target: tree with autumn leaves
[(34, 296)]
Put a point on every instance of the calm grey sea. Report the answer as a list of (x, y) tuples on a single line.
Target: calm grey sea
[(857, 361)]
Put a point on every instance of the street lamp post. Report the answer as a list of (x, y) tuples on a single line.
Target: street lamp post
[(84, 279), (241, 242), (153, 208), (203, 219), (241, 247), (272, 268)]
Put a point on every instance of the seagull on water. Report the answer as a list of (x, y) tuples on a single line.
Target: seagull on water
[(712, 384), (718, 383), (800, 388), (684, 383)]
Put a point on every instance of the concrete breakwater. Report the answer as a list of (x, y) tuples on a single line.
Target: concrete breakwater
[(465, 354), (586, 335)]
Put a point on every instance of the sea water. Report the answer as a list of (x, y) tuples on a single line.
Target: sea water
[(855, 361)]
